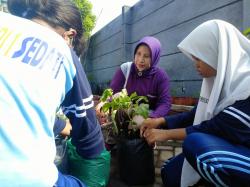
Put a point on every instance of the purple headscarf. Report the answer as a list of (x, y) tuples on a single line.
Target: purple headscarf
[(155, 49)]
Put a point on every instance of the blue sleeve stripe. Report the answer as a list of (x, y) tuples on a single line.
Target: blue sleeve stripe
[(78, 115), (88, 99), (89, 105), (74, 107), (239, 112), (84, 106), (238, 115), (88, 102), (78, 108), (80, 111)]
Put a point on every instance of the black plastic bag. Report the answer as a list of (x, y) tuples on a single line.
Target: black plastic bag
[(136, 162)]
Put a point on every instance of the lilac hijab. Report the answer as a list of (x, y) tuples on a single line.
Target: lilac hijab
[(155, 49)]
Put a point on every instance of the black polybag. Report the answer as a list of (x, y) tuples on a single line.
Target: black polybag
[(136, 161)]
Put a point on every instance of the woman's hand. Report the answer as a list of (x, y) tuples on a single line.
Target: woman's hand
[(151, 123), (98, 107), (101, 116), (138, 121)]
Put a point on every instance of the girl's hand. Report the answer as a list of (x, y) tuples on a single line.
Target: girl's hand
[(151, 123), (67, 129), (155, 135), (160, 135)]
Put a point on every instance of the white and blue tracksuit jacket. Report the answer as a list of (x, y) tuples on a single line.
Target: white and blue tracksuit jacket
[(37, 76)]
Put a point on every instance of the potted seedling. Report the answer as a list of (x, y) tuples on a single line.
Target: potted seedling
[(135, 156)]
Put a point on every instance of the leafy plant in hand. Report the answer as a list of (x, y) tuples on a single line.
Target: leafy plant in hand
[(122, 108)]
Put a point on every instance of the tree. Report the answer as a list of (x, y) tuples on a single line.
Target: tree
[(88, 18)]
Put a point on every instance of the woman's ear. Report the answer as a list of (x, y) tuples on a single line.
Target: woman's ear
[(69, 36)]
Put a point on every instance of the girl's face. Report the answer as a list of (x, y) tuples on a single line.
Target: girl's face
[(203, 68), (142, 58), (68, 36)]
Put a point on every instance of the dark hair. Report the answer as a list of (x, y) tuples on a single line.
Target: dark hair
[(62, 13)]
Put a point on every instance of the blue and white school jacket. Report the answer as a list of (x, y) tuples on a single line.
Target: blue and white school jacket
[(37, 76), (232, 123)]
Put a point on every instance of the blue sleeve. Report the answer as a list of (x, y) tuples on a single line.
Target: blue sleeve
[(232, 124), (58, 126), (78, 106), (181, 120)]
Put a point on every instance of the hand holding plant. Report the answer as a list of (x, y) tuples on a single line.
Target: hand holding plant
[(151, 123), (101, 116)]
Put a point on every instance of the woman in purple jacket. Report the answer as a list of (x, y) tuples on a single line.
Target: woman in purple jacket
[(144, 77)]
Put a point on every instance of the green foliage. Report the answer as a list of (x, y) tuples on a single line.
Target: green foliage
[(88, 18), (121, 100), (106, 94), (130, 105), (141, 110)]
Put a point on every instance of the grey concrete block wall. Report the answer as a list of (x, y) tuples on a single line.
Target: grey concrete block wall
[(168, 20)]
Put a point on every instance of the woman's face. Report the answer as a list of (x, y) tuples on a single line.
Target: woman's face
[(142, 58), (203, 68)]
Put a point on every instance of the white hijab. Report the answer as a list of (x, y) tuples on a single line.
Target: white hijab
[(223, 47)]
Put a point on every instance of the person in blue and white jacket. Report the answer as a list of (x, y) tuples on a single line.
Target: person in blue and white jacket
[(216, 134), (37, 76)]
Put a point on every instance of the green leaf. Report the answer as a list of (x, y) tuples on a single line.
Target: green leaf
[(246, 32), (142, 110), (106, 94)]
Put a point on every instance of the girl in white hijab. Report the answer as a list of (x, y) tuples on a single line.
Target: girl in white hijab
[(217, 146)]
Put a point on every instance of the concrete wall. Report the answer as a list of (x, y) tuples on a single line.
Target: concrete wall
[(168, 20)]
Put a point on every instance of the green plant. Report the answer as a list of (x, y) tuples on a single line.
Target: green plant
[(88, 18), (61, 115), (122, 108), (246, 32)]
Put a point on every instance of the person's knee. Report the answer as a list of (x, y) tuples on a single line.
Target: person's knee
[(165, 175), (189, 147), (197, 143), (190, 142), (171, 171)]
